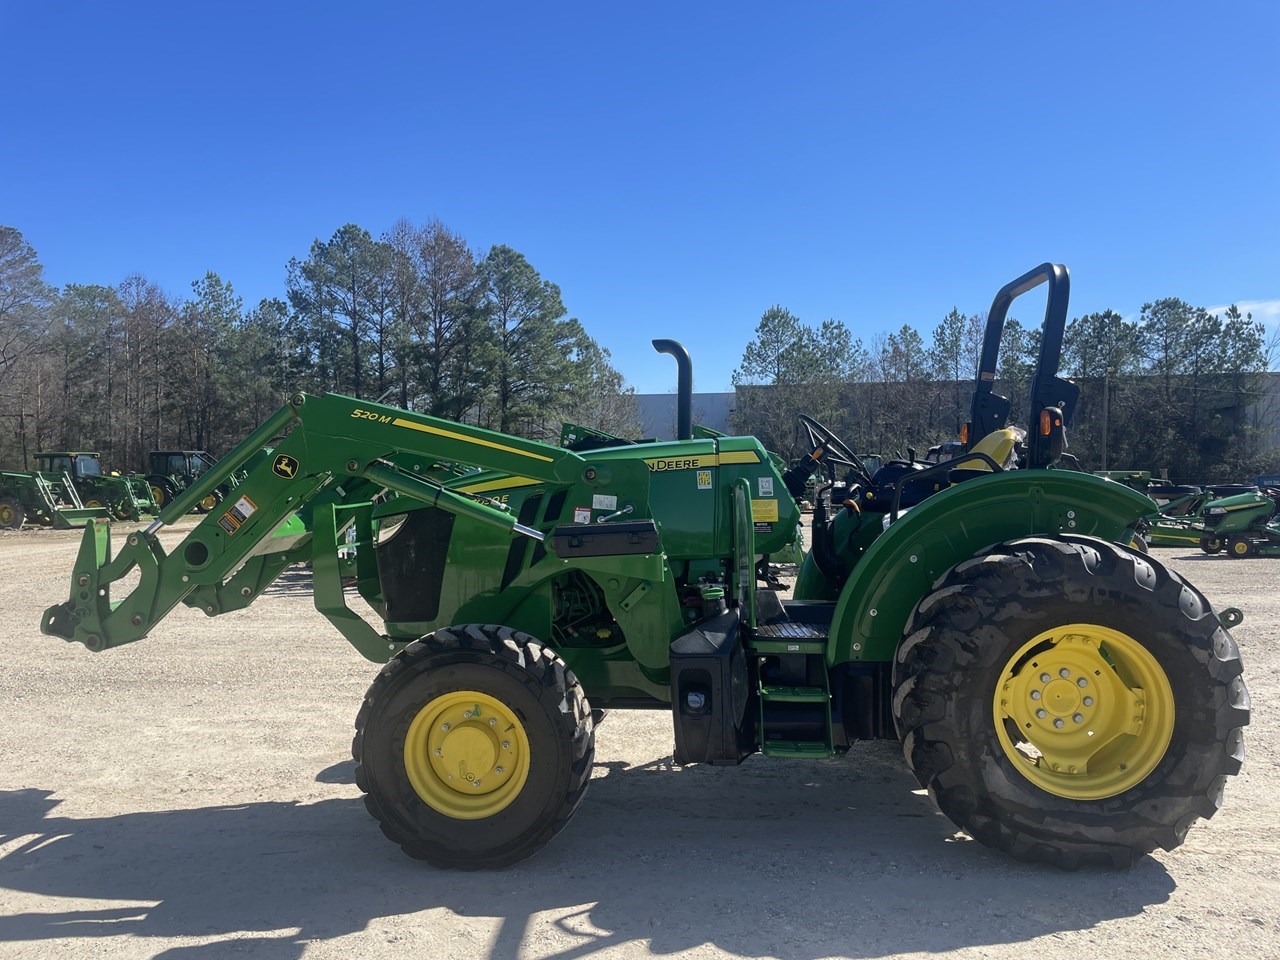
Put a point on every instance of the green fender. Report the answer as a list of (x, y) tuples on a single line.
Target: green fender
[(903, 564)]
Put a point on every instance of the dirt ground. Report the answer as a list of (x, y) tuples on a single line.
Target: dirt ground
[(191, 797)]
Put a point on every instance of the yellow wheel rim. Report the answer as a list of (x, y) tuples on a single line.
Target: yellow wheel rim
[(95, 504), (1240, 548), (6, 514), (209, 502), (1084, 711), (467, 755), (157, 495)]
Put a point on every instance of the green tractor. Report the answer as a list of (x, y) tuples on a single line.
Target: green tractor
[(173, 471), (1064, 698), (1244, 525), (47, 499), (125, 497)]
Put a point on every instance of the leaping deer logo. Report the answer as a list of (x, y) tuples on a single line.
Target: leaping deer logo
[(285, 466)]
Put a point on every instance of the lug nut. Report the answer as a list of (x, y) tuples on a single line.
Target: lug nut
[(1045, 678), (1078, 718), (1059, 723), (498, 770), (1082, 682), (1035, 694), (506, 744), (444, 727), (439, 752), (1064, 673), (1088, 701), (493, 721), (1042, 713), (476, 783)]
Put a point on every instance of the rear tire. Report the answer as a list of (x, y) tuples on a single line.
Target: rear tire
[(161, 494), (1211, 544), (994, 623), (12, 514), (1240, 547), (406, 751)]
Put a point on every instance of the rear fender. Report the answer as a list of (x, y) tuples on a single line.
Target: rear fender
[(951, 526)]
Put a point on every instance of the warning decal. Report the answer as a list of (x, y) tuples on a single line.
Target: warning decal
[(581, 514), (240, 511), (764, 511)]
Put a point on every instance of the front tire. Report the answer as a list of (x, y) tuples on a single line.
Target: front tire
[(1070, 701), (1211, 544), (474, 747), (12, 513)]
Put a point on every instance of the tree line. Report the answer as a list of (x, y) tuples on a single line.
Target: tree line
[(1177, 390), (415, 317), (420, 319)]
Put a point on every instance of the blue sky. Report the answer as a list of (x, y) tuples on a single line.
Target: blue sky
[(676, 172)]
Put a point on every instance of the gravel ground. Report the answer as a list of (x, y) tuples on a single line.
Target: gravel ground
[(191, 796)]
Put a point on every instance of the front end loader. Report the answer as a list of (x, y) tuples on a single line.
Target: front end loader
[(1063, 698), (46, 499), (124, 497)]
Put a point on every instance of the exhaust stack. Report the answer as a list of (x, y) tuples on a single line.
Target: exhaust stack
[(684, 386)]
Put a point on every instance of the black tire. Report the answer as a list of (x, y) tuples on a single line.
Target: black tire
[(12, 514), (1211, 544), (209, 502), (1238, 548), (958, 643), (162, 493), (531, 681), (1139, 542)]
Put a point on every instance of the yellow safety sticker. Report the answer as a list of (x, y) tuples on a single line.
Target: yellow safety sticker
[(764, 511)]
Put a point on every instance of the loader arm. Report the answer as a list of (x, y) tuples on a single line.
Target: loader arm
[(339, 453)]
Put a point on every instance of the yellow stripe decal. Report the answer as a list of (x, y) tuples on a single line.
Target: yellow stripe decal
[(507, 483), (463, 438), (699, 462)]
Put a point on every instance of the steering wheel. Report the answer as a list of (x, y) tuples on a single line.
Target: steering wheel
[(834, 450)]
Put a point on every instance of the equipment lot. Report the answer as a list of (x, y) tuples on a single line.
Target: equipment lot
[(190, 796)]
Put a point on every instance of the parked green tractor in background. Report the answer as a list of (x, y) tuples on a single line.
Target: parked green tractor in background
[(173, 471), (1244, 525), (45, 499), (1064, 698), (125, 497)]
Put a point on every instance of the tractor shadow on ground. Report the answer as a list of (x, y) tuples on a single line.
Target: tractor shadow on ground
[(294, 581), (771, 859)]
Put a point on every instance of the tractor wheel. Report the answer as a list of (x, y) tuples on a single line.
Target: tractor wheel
[(1070, 701), (1240, 547), (1139, 542), (12, 514), (161, 494), (209, 502), (1211, 544), (474, 747)]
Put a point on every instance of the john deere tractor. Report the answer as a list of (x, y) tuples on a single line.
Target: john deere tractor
[(173, 471), (1064, 698), (126, 497)]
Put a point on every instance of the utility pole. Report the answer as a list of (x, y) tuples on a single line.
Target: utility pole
[(1106, 410)]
